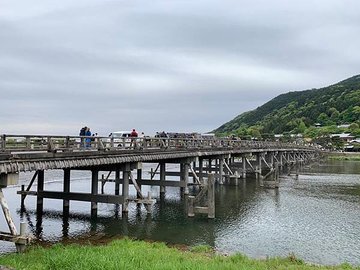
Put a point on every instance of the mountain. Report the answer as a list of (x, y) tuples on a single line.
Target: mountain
[(297, 111)]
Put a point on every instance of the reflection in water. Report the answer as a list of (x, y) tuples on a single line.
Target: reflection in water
[(316, 216)]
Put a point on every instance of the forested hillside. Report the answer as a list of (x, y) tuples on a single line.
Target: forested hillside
[(298, 112)]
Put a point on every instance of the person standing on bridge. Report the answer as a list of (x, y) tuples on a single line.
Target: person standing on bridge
[(88, 139), (133, 135), (82, 133)]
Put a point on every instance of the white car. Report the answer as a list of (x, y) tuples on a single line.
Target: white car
[(120, 134), (121, 138)]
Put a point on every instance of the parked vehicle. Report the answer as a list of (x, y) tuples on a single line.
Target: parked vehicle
[(121, 138)]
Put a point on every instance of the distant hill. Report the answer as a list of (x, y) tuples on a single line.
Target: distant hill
[(294, 112)]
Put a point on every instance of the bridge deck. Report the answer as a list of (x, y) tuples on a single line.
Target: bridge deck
[(41, 152)]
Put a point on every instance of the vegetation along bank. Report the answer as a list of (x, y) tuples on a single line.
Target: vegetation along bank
[(130, 254)]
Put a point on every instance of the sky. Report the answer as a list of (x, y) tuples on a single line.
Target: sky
[(173, 65)]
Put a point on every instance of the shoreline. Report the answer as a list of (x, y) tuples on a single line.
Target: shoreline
[(350, 156), (137, 254)]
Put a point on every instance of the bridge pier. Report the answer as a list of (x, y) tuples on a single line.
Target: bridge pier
[(243, 163), (200, 169), (162, 177), (66, 188), (139, 178), (221, 170), (94, 190), (186, 166), (125, 188), (117, 181), (258, 166), (40, 189), (207, 191)]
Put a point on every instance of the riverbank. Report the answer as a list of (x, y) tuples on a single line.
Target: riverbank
[(130, 254), (353, 156)]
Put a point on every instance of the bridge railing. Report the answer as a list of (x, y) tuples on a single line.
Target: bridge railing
[(51, 143)]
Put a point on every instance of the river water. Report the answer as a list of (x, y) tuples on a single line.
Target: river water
[(315, 216)]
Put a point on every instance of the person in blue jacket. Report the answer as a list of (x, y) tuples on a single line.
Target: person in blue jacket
[(88, 140)]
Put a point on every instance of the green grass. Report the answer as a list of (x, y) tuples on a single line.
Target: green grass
[(128, 254)]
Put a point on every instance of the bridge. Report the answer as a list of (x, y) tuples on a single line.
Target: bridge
[(202, 162)]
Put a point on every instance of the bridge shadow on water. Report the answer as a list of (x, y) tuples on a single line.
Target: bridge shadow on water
[(168, 221)]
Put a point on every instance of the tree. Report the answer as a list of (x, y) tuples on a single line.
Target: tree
[(353, 126), (337, 143), (300, 128), (312, 132), (323, 119), (286, 137), (335, 116)]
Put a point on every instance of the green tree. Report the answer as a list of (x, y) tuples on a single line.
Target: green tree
[(353, 126), (312, 132), (323, 119), (335, 116)]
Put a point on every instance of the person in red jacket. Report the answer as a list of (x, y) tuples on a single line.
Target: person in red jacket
[(133, 135)]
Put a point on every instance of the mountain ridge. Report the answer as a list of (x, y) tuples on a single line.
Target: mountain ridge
[(296, 111)]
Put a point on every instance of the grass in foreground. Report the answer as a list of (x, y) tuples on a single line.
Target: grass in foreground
[(128, 254)]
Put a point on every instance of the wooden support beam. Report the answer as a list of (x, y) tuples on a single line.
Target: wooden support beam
[(138, 178), (267, 164), (162, 176), (7, 214), (200, 169), (186, 177), (66, 187), (249, 163), (211, 196), (117, 181), (125, 188), (228, 168), (40, 188), (197, 180), (23, 197), (140, 198), (137, 187), (221, 170), (104, 180), (152, 173), (243, 163), (94, 190)]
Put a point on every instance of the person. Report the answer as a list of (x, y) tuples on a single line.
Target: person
[(133, 135), (88, 139), (93, 135), (82, 133), (163, 135)]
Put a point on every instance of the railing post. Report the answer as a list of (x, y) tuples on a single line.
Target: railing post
[(67, 142), (3, 142), (28, 142), (50, 146)]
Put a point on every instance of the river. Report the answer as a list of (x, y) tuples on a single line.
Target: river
[(315, 216)]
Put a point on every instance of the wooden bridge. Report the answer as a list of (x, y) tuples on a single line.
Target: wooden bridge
[(202, 163)]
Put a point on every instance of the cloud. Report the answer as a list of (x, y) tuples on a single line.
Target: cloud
[(164, 65)]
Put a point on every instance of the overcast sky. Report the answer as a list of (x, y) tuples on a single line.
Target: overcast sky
[(171, 65)]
